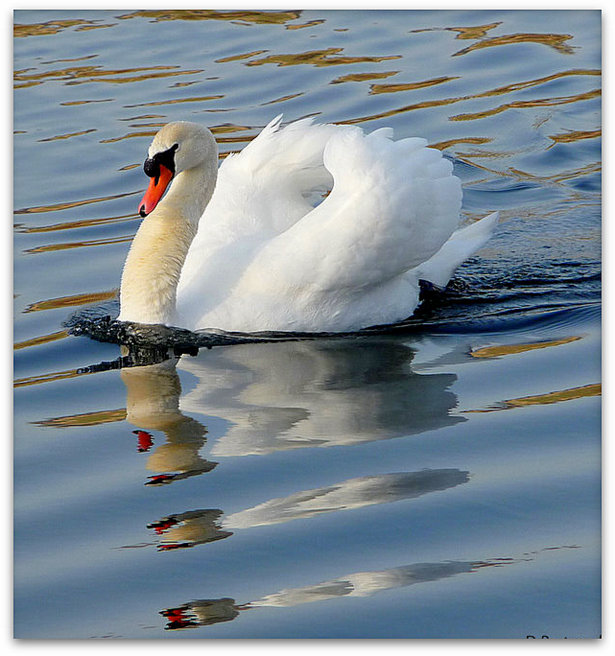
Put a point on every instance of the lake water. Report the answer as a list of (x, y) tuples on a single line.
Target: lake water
[(436, 481)]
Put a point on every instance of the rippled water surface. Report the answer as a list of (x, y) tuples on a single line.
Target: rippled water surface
[(438, 480)]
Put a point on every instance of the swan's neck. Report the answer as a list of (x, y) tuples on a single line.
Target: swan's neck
[(158, 252)]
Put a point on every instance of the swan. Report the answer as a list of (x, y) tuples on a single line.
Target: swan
[(261, 245)]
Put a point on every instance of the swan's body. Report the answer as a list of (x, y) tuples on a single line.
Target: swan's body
[(249, 252)]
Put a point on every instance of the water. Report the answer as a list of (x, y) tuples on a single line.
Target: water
[(438, 480)]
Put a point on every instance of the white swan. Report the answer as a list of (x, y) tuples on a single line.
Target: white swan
[(244, 248)]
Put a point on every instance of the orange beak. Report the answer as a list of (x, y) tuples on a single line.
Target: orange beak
[(157, 187)]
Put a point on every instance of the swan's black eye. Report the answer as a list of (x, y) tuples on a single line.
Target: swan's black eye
[(151, 166)]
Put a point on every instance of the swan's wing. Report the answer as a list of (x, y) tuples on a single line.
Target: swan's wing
[(393, 205), (463, 243), (264, 189), (260, 192)]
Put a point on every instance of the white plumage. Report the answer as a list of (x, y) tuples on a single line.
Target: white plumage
[(265, 258)]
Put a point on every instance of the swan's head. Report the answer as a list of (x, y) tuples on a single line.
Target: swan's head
[(177, 147)]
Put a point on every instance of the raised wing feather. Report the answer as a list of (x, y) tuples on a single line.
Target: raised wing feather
[(265, 188), (393, 205)]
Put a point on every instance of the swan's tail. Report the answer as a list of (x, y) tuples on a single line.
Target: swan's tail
[(463, 243)]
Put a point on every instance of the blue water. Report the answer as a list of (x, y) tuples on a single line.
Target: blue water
[(440, 480)]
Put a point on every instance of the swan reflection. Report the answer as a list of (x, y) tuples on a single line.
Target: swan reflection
[(284, 395), (288, 395), (201, 526), (203, 612), (152, 403), (189, 529)]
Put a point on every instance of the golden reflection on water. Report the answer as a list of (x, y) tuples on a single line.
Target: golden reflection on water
[(513, 349), (308, 24), (67, 136), (53, 27), (362, 77), (594, 389), (245, 55), (70, 204), (258, 17), (141, 78), (400, 110), (143, 117), (473, 32), (78, 244), (575, 135), (157, 125), (318, 58), (181, 85), (524, 104), (228, 127), (283, 98), (479, 153), (442, 145), (85, 419), (86, 74), (43, 339), (69, 59), (132, 135), (555, 41), (176, 101), (74, 103), (411, 86), (517, 86), (71, 301), (71, 225)]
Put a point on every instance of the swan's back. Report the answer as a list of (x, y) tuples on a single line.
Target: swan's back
[(265, 259)]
